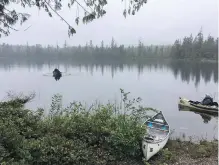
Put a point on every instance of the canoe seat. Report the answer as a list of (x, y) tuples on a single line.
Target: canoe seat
[(150, 124), (155, 135), (159, 120), (160, 127), (157, 123), (165, 130)]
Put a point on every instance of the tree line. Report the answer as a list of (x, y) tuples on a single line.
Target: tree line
[(197, 47), (190, 47)]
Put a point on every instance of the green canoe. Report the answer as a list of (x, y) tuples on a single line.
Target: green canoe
[(198, 107)]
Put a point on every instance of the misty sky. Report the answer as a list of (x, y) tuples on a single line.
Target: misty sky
[(158, 22)]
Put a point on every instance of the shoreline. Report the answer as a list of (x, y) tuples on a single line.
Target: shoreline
[(177, 152), (187, 153), (99, 136)]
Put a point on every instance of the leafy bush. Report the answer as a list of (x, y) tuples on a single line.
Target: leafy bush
[(71, 135)]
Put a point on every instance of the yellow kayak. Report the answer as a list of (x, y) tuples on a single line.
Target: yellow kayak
[(197, 106)]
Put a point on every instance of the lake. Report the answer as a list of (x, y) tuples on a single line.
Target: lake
[(158, 84)]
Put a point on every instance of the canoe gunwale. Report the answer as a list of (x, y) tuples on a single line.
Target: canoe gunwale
[(204, 107)]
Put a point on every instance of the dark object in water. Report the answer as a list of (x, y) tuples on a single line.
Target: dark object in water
[(57, 74)]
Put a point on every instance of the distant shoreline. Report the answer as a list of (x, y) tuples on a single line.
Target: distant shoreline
[(100, 60), (190, 48), (198, 60)]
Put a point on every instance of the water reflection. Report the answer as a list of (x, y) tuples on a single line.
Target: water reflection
[(195, 71), (187, 71), (158, 83), (206, 116)]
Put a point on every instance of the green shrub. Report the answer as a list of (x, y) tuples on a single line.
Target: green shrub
[(72, 135)]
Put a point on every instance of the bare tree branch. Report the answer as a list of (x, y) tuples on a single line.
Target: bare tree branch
[(57, 13), (89, 6), (82, 7)]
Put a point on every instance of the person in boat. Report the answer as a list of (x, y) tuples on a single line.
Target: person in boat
[(57, 74)]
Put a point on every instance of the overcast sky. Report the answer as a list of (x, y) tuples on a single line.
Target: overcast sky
[(158, 22)]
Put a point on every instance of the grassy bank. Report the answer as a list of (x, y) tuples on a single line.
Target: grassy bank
[(98, 135), (187, 153)]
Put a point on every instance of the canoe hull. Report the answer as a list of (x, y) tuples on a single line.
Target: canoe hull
[(150, 149)]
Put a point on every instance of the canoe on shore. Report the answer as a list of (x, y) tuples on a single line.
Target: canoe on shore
[(158, 132), (197, 106)]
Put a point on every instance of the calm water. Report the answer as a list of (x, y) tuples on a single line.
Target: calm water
[(158, 85)]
